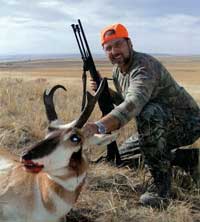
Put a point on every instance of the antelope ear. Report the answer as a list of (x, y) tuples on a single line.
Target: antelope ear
[(56, 125), (102, 139)]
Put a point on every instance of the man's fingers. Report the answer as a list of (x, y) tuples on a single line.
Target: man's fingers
[(93, 85), (89, 129)]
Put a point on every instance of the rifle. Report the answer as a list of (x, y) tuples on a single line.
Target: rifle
[(105, 101)]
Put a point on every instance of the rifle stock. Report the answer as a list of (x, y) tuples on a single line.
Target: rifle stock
[(105, 101)]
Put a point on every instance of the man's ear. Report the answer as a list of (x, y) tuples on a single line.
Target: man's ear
[(102, 139), (130, 43)]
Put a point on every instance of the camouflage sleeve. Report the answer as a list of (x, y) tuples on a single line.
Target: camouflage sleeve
[(142, 84)]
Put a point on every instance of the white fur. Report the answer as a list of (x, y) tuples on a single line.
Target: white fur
[(59, 158), (58, 125), (102, 139), (40, 212), (72, 183), (5, 164)]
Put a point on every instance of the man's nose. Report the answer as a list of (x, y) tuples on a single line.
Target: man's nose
[(114, 50)]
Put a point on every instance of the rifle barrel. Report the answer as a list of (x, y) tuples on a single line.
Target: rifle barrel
[(81, 41), (85, 40), (79, 46)]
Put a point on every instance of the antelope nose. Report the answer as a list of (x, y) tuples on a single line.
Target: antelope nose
[(25, 156)]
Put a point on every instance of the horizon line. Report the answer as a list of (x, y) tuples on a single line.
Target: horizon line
[(102, 54)]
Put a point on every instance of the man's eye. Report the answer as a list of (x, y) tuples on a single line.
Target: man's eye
[(117, 44), (75, 138), (108, 49)]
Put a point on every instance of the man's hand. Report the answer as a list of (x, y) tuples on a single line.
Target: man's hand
[(93, 84), (110, 123), (89, 129)]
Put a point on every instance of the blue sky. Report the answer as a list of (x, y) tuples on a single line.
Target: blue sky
[(44, 26)]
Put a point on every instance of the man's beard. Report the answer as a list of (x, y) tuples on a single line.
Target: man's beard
[(122, 60)]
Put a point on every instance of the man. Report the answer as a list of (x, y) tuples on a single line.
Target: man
[(167, 116)]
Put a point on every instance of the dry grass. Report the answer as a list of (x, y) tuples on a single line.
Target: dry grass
[(111, 194)]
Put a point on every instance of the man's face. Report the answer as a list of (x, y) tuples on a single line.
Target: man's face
[(118, 51)]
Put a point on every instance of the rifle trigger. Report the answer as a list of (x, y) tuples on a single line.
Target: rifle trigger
[(109, 78)]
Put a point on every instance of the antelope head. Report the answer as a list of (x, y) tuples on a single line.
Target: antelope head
[(64, 142)]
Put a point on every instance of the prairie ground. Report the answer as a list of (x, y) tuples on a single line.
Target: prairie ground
[(110, 193)]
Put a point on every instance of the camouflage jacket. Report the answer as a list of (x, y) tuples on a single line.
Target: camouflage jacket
[(147, 80)]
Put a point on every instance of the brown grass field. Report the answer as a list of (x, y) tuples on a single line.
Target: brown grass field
[(111, 194)]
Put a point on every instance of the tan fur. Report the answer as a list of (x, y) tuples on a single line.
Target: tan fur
[(17, 186), (44, 185)]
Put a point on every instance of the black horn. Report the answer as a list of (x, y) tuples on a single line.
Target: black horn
[(49, 104), (90, 104)]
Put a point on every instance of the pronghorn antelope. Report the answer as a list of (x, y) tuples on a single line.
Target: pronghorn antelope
[(45, 184)]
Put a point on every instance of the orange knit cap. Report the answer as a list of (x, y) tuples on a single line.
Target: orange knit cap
[(119, 31)]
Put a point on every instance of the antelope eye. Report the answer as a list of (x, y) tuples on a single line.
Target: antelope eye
[(75, 138)]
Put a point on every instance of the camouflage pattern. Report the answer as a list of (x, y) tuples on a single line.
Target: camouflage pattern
[(160, 132), (147, 80), (167, 116)]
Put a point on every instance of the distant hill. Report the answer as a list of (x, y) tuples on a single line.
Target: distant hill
[(28, 57)]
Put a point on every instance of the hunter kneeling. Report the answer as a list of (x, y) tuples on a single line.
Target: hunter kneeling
[(167, 116)]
